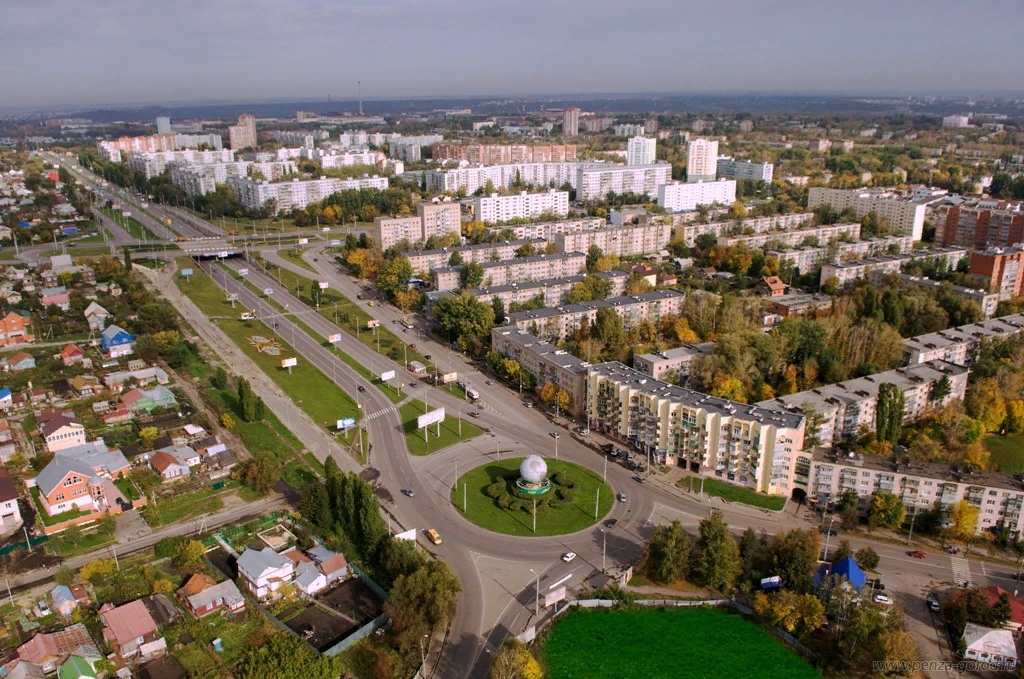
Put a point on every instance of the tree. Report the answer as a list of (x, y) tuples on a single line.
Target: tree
[(941, 389), (471, 275), (793, 556), (964, 518), (842, 551), (594, 253), (866, 558), (227, 421), (127, 260), (812, 427), (667, 554), (455, 259), (190, 556), (260, 474), (147, 435), (107, 523), (285, 656), (889, 412), (499, 310), (1000, 612), (464, 318), (393, 276), (316, 506), (717, 561), (887, 509)]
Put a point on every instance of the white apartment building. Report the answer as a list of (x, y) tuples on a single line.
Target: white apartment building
[(497, 208), (623, 241), (903, 213), (810, 258), (299, 137), (430, 220), (269, 156), (680, 196), (850, 405), (153, 164), (822, 234), (956, 121), (548, 230), (691, 230), (553, 291), (426, 260), (571, 122), (557, 323), (744, 169), (186, 141), (595, 182), (747, 445), (661, 363), (296, 194), (389, 231), (243, 135), (701, 160), (407, 152), (473, 177), (960, 345), (641, 150), (628, 130), (197, 180), (333, 158), (847, 272), (163, 125), (515, 270)]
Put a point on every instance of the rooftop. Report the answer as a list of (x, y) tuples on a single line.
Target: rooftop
[(702, 349), (997, 327), (585, 307), (516, 261)]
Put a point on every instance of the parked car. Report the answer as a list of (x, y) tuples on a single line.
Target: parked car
[(426, 356), (917, 554), (610, 522), (830, 531), (933, 604), (408, 492), (554, 434), (414, 384), (489, 382), (882, 599), (527, 404), (639, 479), (568, 556)]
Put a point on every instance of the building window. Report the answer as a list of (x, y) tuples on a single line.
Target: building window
[(60, 497)]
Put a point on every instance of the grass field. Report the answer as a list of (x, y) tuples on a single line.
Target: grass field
[(600, 643), (294, 255), (450, 428), (485, 512), (1007, 452), (297, 475), (174, 509), (134, 228), (732, 493)]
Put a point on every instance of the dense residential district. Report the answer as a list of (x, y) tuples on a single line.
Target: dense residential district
[(380, 396)]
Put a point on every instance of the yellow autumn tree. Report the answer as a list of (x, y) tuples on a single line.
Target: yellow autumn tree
[(548, 393), (727, 386), (976, 455), (683, 331), (564, 400), (964, 520)]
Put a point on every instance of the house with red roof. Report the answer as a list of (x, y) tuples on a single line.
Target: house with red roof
[(1016, 621), (71, 355), (50, 650), (131, 631)]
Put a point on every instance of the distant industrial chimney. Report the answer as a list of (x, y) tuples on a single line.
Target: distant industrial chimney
[(359, 90)]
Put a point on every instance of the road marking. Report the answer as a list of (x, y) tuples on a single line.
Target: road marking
[(961, 570), (661, 510), (380, 413), (983, 568)]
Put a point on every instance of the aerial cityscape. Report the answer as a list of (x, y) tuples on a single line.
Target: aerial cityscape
[(337, 343)]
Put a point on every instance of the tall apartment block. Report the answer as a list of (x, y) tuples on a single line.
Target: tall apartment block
[(641, 151), (750, 446), (744, 169), (1000, 270), (960, 345), (430, 220), (557, 323), (545, 362), (848, 272), (163, 125), (552, 291), (496, 208), (701, 160), (691, 230), (571, 122), (625, 241), (679, 196), (499, 154), (548, 230), (296, 194), (440, 219), (426, 260), (983, 224), (596, 181), (903, 212), (243, 135)]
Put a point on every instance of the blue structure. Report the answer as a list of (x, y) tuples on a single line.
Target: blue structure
[(844, 568), (114, 337), (69, 230), (25, 225)]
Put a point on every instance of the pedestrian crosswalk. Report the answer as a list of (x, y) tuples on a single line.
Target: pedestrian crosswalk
[(381, 413), (961, 571)]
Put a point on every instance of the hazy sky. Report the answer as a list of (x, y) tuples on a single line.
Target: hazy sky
[(81, 52)]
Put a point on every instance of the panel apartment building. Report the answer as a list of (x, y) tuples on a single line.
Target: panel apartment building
[(822, 234), (557, 323), (431, 219), (595, 182), (553, 291), (850, 405), (499, 154), (515, 270), (983, 224), (153, 163), (426, 260), (747, 445), (988, 301), (548, 230), (243, 135), (808, 258), (848, 272), (998, 497), (1000, 270), (683, 196), (296, 194), (688, 232), (622, 241), (660, 364), (475, 177), (728, 168), (545, 362), (196, 180), (497, 208), (960, 345), (904, 213)]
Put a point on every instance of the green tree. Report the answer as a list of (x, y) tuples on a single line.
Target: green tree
[(499, 310), (285, 656), (64, 576), (812, 426), (668, 553), (867, 558), (793, 556), (465, 319), (594, 253), (842, 551), (455, 259), (260, 474), (887, 509), (941, 389), (471, 275), (889, 413), (1001, 612), (393, 276), (190, 556), (717, 560), (316, 506), (127, 260)]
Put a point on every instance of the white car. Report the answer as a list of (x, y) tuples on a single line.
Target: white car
[(568, 556), (882, 599)]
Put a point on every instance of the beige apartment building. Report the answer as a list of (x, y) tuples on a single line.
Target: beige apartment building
[(548, 230), (516, 270), (499, 154), (849, 406), (960, 345), (808, 258), (243, 135), (747, 445), (556, 323), (660, 364), (545, 362), (622, 241), (430, 220), (688, 232), (426, 260), (553, 291), (296, 194), (440, 219), (848, 272), (903, 211), (823, 235)]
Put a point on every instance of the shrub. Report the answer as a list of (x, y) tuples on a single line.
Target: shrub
[(496, 490), (505, 501), (867, 558), (558, 479), (170, 547), (565, 495), (97, 568)]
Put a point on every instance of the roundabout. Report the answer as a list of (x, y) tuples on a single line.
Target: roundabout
[(502, 496)]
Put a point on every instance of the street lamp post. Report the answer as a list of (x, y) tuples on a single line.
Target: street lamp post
[(536, 590), (828, 535)]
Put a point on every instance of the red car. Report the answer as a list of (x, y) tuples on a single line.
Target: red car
[(917, 554)]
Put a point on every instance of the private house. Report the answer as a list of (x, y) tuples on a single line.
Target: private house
[(36, 395), (20, 361), (57, 297), (118, 416), (309, 579), (148, 399), (770, 286), (81, 477), (992, 646), (50, 650), (16, 328), (25, 670), (265, 571), (131, 630), (10, 513), (202, 596), (142, 376), (116, 342), (168, 466), (63, 600), (96, 316), (79, 666), (209, 445), (62, 432), (71, 355), (81, 595), (334, 566), (7, 444), (6, 398), (85, 385), (1016, 621)]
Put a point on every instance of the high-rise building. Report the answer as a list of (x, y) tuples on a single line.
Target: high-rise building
[(495, 208), (1001, 270), (163, 125), (571, 122), (701, 160), (677, 197), (983, 224), (904, 212), (729, 168), (243, 135), (596, 181), (641, 151)]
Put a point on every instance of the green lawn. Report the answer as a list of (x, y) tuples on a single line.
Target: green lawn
[(600, 643), (1007, 452), (269, 437), (174, 509), (294, 255), (733, 493), (297, 475), (579, 514), (128, 489), (414, 438), (89, 543), (314, 463), (134, 228)]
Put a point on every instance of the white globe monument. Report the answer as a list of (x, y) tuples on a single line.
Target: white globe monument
[(533, 476)]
